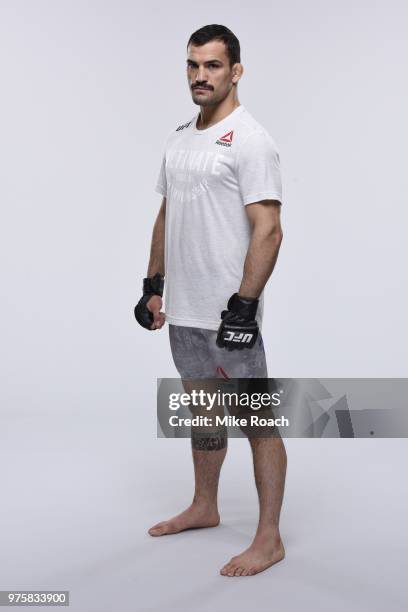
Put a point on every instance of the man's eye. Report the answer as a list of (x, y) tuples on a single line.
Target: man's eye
[(209, 65)]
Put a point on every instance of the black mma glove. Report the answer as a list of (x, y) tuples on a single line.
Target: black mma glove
[(238, 329), (151, 286)]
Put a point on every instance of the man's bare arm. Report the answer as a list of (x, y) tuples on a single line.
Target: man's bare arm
[(156, 265), (263, 248), (156, 261)]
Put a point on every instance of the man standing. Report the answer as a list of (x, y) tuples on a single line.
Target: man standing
[(216, 240)]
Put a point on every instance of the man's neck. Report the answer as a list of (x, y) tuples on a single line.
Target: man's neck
[(209, 115)]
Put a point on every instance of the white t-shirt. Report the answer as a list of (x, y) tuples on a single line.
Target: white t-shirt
[(208, 177)]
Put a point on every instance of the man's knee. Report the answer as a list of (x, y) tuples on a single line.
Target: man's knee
[(209, 440)]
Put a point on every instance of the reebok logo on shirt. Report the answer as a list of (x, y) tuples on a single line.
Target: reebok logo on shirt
[(225, 140)]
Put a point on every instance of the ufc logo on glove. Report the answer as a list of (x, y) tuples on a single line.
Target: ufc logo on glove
[(230, 335), (238, 329)]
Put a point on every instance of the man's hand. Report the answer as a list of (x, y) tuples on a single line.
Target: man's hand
[(154, 305), (147, 310), (238, 329)]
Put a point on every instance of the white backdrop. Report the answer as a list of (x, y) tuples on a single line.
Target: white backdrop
[(88, 93)]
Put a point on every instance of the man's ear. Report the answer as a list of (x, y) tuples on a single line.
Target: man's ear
[(237, 72)]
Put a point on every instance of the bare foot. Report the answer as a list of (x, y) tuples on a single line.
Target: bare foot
[(263, 552), (196, 516)]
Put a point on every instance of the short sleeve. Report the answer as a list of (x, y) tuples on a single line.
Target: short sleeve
[(258, 169), (161, 185)]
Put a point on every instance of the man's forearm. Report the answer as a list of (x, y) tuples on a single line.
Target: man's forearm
[(156, 261), (260, 261)]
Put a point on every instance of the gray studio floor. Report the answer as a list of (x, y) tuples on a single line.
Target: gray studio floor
[(79, 492)]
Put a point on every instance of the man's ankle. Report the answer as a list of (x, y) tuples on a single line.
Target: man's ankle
[(202, 500), (268, 531)]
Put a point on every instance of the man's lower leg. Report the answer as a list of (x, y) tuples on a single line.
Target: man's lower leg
[(209, 452), (270, 463)]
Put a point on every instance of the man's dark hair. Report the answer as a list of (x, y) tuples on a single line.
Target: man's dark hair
[(218, 32)]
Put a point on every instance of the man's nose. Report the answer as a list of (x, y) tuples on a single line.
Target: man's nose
[(201, 76)]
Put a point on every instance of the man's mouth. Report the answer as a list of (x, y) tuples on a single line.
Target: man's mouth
[(201, 88)]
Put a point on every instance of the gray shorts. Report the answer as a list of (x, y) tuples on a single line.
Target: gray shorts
[(196, 355)]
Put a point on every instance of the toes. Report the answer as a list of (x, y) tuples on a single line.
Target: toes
[(158, 529), (156, 526), (155, 531), (233, 568), (228, 570), (236, 568)]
